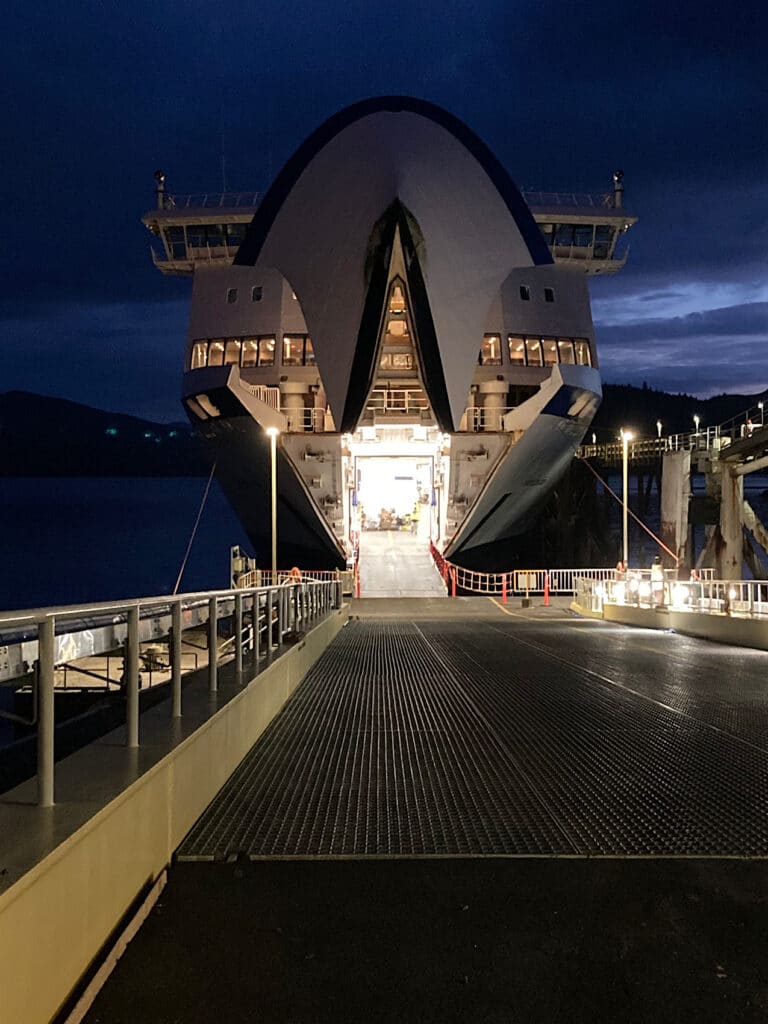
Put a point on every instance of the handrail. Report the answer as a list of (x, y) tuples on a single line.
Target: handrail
[(742, 598), (601, 199), (206, 200)]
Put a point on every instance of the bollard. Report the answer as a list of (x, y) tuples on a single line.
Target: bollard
[(46, 721), (176, 660), (546, 590), (213, 644), (453, 582), (504, 589)]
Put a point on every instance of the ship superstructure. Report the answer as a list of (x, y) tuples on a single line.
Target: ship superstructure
[(419, 334)]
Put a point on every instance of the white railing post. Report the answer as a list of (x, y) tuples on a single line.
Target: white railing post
[(280, 616), (132, 679), (256, 629), (176, 660), (238, 635), (213, 644), (46, 724)]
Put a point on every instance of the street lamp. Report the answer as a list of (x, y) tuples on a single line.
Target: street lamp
[(696, 421), (658, 428), (760, 407), (626, 437), (273, 432)]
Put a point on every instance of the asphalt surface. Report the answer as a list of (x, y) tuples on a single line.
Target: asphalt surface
[(479, 820)]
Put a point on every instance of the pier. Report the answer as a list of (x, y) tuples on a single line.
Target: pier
[(424, 808)]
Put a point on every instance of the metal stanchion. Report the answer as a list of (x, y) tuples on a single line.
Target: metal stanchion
[(238, 635), (176, 660), (132, 679), (213, 644), (280, 616), (256, 630), (46, 721)]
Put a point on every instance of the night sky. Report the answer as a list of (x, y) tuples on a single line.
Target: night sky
[(96, 96)]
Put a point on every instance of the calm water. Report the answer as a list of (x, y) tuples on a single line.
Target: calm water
[(73, 540)]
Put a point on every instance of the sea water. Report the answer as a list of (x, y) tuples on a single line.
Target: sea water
[(72, 540)]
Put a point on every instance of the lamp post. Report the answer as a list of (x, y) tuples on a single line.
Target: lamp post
[(626, 437), (696, 421), (273, 432), (762, 420)]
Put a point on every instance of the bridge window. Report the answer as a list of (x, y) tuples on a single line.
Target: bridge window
[(582, 234), (564, 234), (177, 243), (516, 350), (603, 240), (533, 352), (525, 293), (199, 354), (216, 352), (309, 352), (549, 345), (548, 230), (232, 352), (231, 295), (235, 233), (256, 293), (297, 350), (565, 347), (196, 236), (583, 354), (490, 352), (549, 294)]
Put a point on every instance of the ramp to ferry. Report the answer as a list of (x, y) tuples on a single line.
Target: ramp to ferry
[(506, 735), (418, 836), (394, 563)]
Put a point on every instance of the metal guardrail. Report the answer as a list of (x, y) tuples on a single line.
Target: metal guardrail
[(744, 598), (43, 639), (206, 200), (602, 199)]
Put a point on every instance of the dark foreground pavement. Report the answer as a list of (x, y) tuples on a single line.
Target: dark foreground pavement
[(516, 940)]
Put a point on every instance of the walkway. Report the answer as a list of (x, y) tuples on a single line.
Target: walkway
[(507, 735), (440, 752), (394, 563)]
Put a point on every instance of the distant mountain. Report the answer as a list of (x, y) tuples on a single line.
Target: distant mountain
[(42, 436), (638, 409)]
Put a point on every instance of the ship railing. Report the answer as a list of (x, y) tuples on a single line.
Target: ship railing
[(702, 439), (305, 420), (397, 400), (256, 624), (211, 199), (268, 395), (600, 199), (476, 419), (738, 598), (514, 582)]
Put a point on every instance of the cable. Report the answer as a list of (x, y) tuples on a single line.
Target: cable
[(637, 519), (194, 529)]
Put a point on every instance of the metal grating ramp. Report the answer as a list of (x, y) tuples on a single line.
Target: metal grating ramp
[(448, 738)]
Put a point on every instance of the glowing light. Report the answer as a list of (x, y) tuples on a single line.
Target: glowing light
[(633, 584), (679, 594), (619, 592), (645, 589), (732, 593)]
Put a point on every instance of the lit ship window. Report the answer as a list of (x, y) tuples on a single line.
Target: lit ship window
[(267, 351), (232, 352), (199, 354), (516, 350), (490, 352), (297, 350), (216, 352), (550, 351), (533, 356), (565, 346), (583, 354), (250, 352)]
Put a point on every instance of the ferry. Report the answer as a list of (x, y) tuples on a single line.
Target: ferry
[(413, 330)]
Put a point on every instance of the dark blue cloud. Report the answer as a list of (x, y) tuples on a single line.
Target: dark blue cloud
[(97, 95)]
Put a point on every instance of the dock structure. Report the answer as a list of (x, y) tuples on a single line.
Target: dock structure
[(406, 809)]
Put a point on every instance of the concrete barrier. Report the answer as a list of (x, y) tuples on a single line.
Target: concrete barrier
[(55, 919), (718, 627)]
